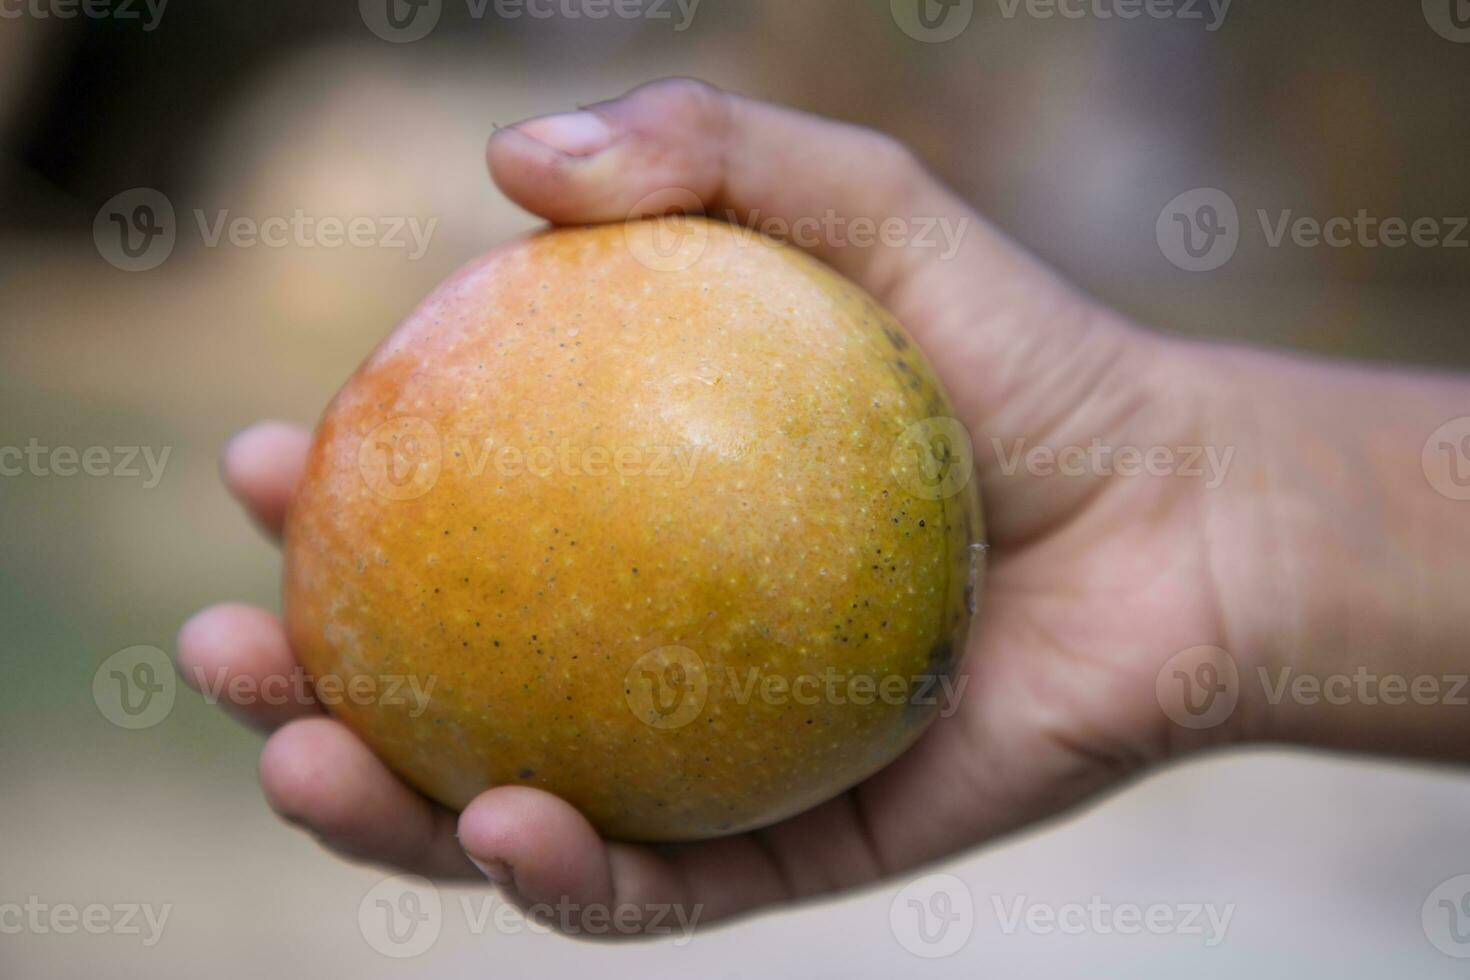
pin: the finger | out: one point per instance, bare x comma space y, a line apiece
552, 861
535, 844
261, 466
757, 161
318, 775
238, 656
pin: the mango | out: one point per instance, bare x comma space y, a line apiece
666, 518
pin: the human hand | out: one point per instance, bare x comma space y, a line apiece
1096, 579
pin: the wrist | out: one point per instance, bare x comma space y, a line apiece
1338, 554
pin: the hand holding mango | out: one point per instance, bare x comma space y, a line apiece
581, 492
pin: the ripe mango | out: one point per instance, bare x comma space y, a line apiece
666, 518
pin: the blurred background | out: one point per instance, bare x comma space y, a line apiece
1073, 133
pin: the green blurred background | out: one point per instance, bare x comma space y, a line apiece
1071, 133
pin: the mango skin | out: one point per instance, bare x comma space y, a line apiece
565, 614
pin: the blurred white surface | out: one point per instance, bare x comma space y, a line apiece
1322, 867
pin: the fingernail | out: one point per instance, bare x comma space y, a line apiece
496, 871
576, 134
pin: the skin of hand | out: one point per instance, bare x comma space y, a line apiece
1323, 549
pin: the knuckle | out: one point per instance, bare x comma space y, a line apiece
696, 103
685, 88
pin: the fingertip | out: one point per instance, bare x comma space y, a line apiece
538, 177
319, 776
536, 844
213, 639
197, 643
303, 767
261, 466
259, 449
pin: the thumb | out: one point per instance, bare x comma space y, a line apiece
856, 198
